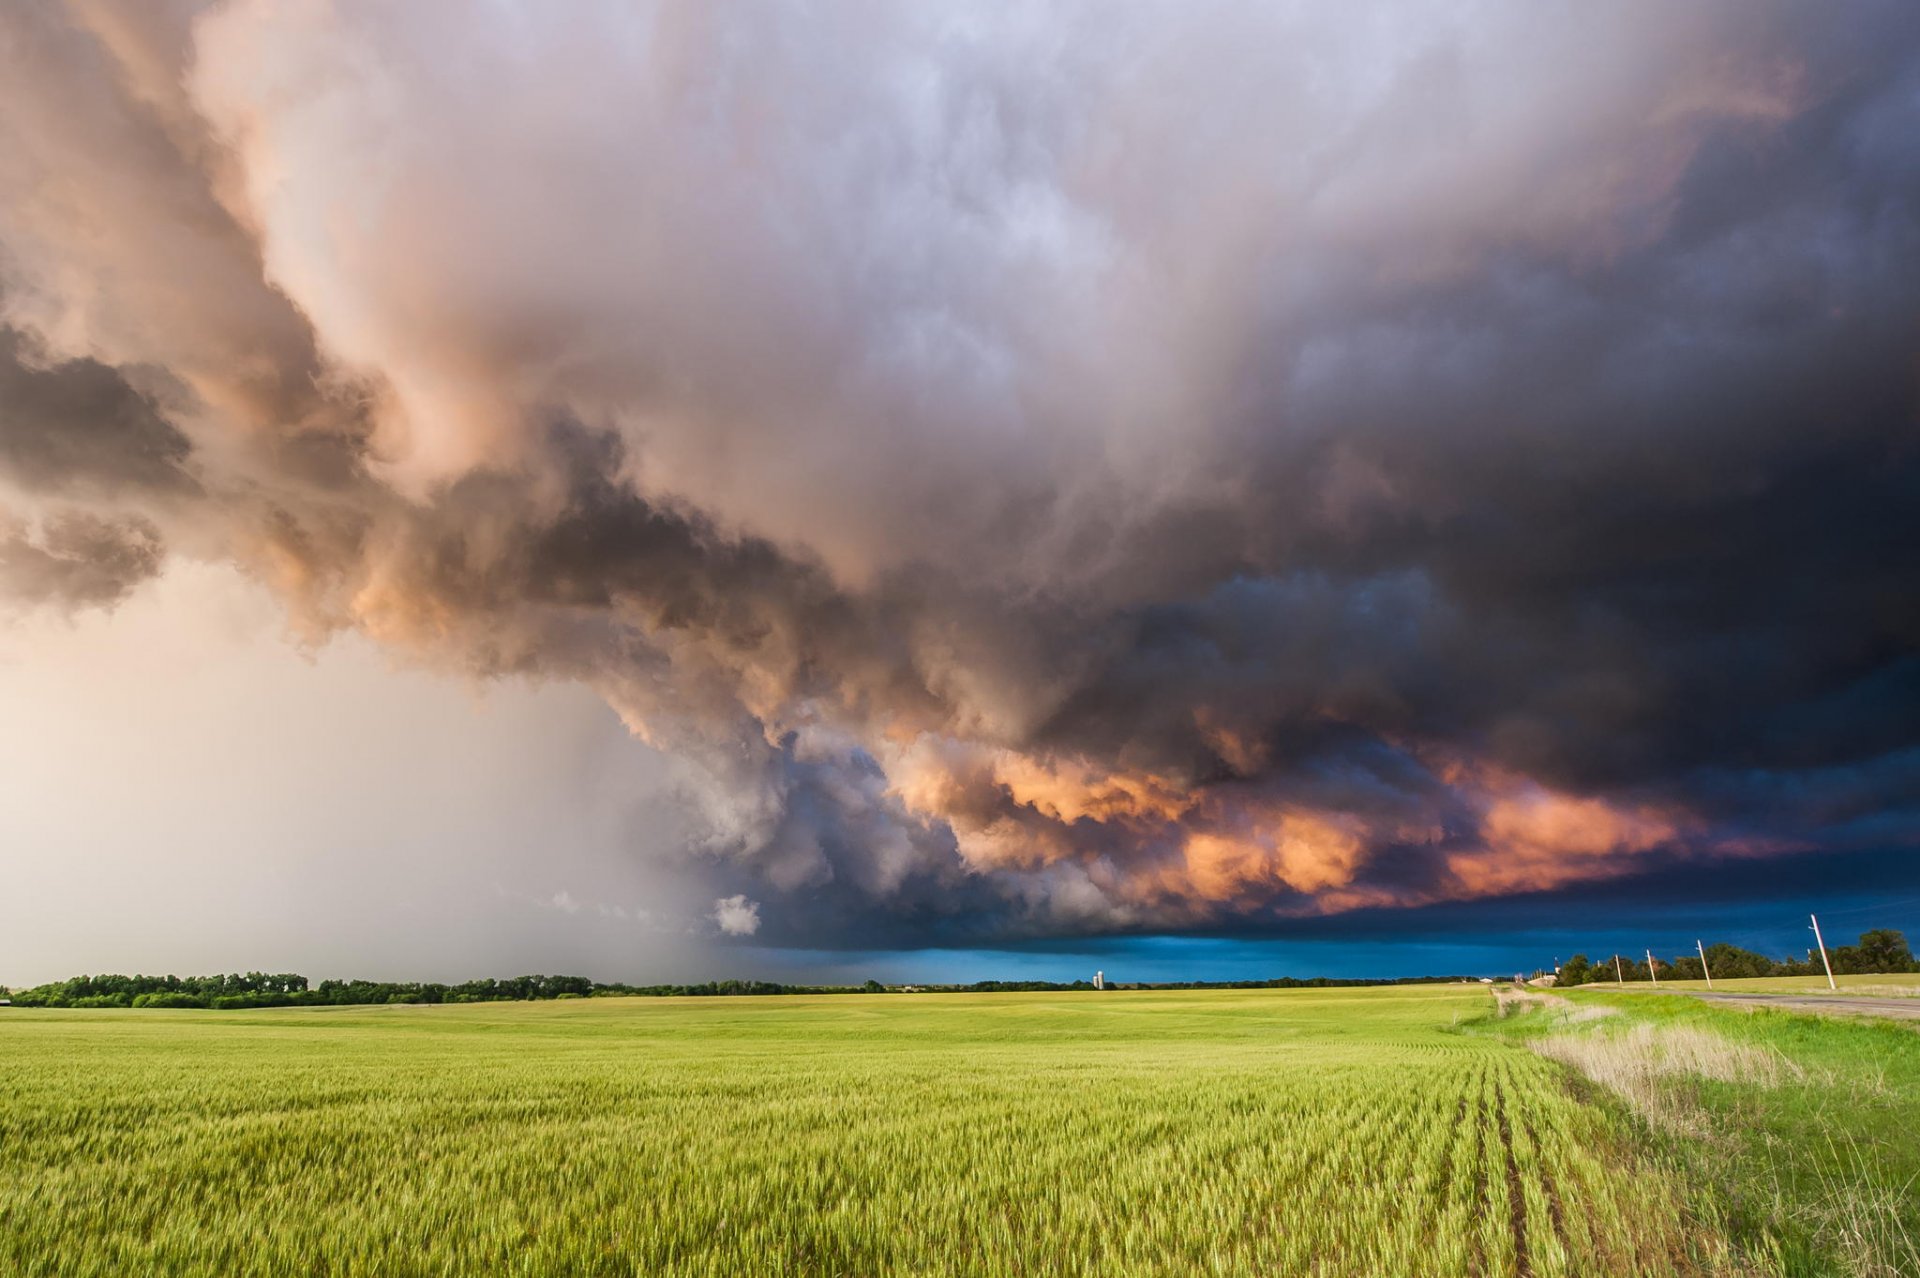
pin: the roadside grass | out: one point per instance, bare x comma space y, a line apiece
1807, 1128
1883, 985
1352, 1132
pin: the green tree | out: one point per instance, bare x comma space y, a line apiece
1731, 963
1682, 967
164, 999
1883, 950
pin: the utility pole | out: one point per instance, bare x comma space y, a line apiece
1823, 952
1618, 979
1652, 974
1703, 962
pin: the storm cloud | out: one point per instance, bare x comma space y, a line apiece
1064, 470
75, 559
79, 423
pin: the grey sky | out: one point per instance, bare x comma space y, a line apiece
181, 789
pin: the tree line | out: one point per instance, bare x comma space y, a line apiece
235, 991
283, 989
1882, 950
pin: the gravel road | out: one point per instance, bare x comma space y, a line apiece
1900, 1008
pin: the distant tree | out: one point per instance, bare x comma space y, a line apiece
101, 1000
165, 999
1576, 971
1884, 950
874, 987
1682, 967
1846, 960
1731, 963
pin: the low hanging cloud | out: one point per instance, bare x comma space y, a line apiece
1041, 472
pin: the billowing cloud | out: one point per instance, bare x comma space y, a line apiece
736, 915
78, 423
75, 559
1066, 470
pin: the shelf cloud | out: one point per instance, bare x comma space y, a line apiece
1045, 471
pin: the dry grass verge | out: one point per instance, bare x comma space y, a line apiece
1642, 1062
1563, 1011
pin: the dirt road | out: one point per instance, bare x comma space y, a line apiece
1899, 1008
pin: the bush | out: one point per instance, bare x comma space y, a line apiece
240, 1002
169, 1000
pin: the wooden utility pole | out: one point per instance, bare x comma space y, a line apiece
1652, 975
1823, 951
1618, 978
1703, 962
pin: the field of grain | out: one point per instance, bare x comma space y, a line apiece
1259, 1132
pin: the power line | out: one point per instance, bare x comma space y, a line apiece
1880, 905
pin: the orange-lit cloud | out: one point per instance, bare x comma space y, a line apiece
1531, 839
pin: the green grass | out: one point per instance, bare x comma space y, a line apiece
1903, 984
1258, 1132
1819, 1163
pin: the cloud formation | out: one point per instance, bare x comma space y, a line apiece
736, 915
1067, 470
75, 559
78, 423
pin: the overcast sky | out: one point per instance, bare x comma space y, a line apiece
669, 489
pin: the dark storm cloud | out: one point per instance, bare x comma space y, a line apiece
78, 423
1048, 474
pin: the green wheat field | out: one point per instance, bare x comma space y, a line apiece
1399, 1131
